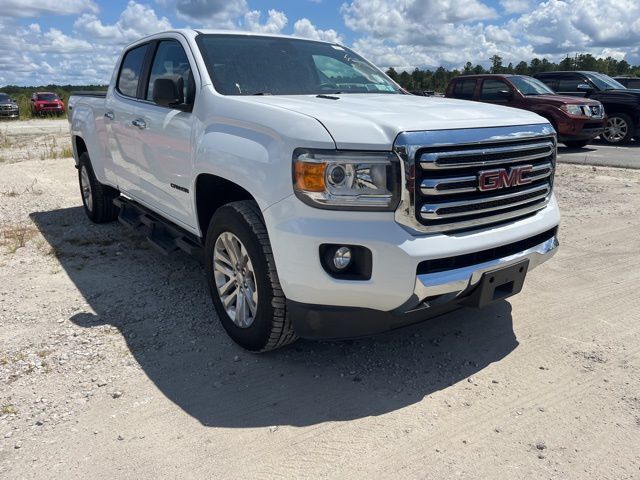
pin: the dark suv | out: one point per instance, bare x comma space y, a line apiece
621, 105
577, 121
629, 82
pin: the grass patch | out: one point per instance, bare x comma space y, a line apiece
16, 236
8, 409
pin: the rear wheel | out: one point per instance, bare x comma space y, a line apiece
619, 129
577, 143
243, 280
97, 198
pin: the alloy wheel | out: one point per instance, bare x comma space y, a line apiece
235, 279
85, 186
616, 130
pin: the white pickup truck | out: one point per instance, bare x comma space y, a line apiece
325, 201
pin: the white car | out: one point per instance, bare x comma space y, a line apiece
325, 201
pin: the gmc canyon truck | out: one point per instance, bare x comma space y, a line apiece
324, 201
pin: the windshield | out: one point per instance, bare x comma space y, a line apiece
530, 86
4, 97
47, 96
245, 65
605, 82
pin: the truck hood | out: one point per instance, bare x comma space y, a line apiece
372, 121
558, 100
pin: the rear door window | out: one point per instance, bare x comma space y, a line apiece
130, 71
463, 89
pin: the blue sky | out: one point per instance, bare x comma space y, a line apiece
77, 41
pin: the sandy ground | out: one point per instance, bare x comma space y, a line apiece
113, 365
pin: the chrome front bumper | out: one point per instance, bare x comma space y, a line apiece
441, 287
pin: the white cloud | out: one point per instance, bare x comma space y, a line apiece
135, 21
34, 8
515, 6
304, 28
276, 21
212, 13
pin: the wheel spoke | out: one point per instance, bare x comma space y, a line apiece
228, 301
224, 289
224, 269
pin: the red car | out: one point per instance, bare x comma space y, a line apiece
576, 120
43, 103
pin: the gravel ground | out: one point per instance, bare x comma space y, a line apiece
113, 365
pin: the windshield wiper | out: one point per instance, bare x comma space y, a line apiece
263, 93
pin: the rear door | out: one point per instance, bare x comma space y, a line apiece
165, 166
121, 112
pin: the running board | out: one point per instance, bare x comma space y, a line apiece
163, 235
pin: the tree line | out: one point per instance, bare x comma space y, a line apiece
437, 79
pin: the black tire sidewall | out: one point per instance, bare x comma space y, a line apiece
256, 336
85, 162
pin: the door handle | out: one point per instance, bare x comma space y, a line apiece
140, 123
109, 115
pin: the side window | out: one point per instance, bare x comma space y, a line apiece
463, 89
570, 84
633, 83
491, 90
131, 70
171, 62
552, 83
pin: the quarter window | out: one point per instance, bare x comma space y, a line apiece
131, 70
171, 62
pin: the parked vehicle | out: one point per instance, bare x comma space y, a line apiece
621, 105
628, 82
325, 202
46, 103
8, 107
577, 122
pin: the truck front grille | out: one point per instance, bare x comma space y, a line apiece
470, 185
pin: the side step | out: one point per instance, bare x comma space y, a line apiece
163, 235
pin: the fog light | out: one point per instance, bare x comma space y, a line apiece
342, 258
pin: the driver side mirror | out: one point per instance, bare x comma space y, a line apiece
168, 92
584, 87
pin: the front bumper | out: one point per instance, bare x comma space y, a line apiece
297, 230
572, 129
9, 113
434, 294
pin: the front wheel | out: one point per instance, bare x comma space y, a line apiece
243, 281
619, 129
576, 143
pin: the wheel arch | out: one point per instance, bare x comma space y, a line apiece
211, 193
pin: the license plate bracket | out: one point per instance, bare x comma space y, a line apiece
498, 284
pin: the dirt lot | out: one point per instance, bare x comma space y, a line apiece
112, 364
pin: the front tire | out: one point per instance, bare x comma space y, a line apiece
619, 129
243, 281
576, 143
97, 198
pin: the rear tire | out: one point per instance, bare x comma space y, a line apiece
619, 129
243, 281
576, 143
97, 198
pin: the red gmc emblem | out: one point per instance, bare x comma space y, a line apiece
503, 177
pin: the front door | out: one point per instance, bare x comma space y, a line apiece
165, 167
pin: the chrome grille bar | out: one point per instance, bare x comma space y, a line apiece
481, 157
436, 211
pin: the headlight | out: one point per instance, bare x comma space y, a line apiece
346, 180
577, 110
